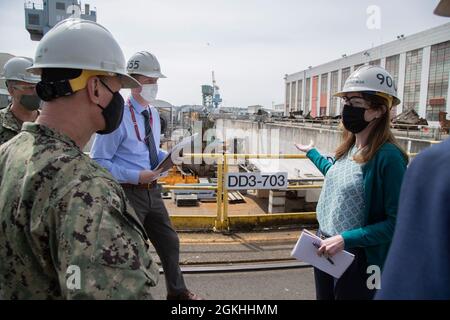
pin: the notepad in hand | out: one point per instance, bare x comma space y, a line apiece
306, 250
174, 154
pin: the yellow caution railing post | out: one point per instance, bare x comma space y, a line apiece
225, 224
219, 194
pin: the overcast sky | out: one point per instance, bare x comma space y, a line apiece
251, 44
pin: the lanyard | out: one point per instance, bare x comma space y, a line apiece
133, 117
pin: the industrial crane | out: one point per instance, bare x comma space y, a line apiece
216, 95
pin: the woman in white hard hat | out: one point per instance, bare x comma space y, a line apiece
357, 207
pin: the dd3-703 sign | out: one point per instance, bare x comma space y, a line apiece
256, 180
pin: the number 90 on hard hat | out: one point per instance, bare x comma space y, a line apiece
373, 80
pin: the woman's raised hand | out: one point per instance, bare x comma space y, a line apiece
305, 148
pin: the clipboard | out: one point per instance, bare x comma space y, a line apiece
306, 250
167, 163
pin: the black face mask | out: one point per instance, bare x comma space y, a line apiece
30, 102
113, 112
353, 119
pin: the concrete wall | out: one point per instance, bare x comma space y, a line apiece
326, 140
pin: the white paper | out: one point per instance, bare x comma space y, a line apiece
306, 251
166, 164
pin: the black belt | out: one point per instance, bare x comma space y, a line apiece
146, 186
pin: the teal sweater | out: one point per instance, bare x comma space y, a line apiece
383, 176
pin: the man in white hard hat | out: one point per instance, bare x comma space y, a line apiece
21, 86
131, 154
67, 231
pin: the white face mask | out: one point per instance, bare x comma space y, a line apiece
149, 92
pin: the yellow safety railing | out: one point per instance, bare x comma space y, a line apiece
223, 162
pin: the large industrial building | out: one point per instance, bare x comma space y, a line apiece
419, 64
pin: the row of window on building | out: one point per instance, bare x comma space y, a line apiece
438, 78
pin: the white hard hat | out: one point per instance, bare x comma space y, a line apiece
146, 64
371, 79
16, 69
82, 44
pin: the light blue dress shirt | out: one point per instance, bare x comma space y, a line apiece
121, 152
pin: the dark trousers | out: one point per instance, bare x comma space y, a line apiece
352, 285
153, 214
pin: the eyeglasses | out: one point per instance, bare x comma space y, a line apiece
356, 102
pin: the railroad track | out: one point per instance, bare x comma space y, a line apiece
243, 266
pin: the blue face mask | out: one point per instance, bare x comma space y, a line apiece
113, 112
